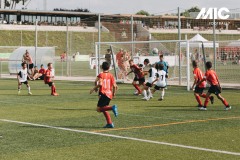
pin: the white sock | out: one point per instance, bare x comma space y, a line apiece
29, 89
162, 94
149, 92
145, 93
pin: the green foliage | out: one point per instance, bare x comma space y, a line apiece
186, 13
142, 12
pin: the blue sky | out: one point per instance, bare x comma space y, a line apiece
132, 6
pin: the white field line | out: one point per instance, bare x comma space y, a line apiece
123, 137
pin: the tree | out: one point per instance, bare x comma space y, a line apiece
12, 3
186, 13
142, 12
71, 10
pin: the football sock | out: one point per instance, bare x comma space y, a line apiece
225, 103
163, 92
137, 87
107, 108
206, 102
198, 100
149, 92
52, 89
144, 93
29, 89
107, 116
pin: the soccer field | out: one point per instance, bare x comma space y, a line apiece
67, 127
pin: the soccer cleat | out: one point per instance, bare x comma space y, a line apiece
29, 93
212, 99
145, 98
115, 110
55, 94
150, 97
202, 108
227, 108
19, 92
109, 126
160, 99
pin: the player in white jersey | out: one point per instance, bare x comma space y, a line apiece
161, 80
151, 77
22, 78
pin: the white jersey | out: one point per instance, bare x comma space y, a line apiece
152, 74
161, 75
23, 75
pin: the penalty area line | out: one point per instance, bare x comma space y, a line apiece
123, 137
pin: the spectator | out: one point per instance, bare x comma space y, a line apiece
42, 71
108, 57
28, 60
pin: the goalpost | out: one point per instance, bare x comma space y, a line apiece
179, 64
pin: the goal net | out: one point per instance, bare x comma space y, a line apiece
176, 53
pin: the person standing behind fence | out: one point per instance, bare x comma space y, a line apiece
108, 57
28, 60
119, 61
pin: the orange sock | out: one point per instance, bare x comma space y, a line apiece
108, 117
198, 100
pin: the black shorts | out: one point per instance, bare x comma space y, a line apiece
103, 100
198, 90
140, 80
42, 77
215, 89
30, 66
149, 84
50, 84
26, 82
158, 88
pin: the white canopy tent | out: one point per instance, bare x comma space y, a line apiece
196, 42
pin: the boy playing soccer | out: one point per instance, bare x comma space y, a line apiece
48, 79
152, 76
139, 76
198, 91
161, 80
107, 90
215, 87
22, 78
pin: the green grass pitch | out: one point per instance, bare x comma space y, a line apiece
175, 120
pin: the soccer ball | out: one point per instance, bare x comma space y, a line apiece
155, 51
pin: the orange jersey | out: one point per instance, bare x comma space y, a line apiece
211, 77
199, 76
107, 81
46, 78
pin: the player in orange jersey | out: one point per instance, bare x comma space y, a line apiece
107, 90
48, 79
215, 87
198, 90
